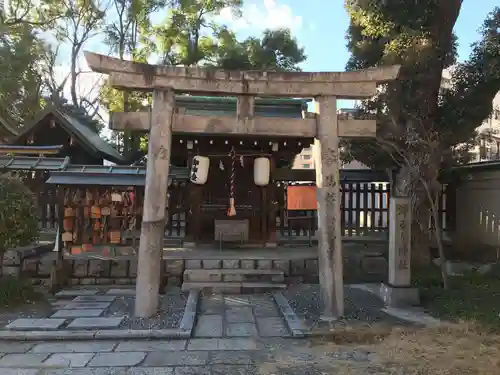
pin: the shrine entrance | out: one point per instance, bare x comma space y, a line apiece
165, 120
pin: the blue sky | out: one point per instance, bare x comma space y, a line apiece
319, 26
323, 27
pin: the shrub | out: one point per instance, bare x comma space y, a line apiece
18, 214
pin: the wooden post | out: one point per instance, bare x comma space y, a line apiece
155, 202
326, 153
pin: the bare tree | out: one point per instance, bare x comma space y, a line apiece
80, 21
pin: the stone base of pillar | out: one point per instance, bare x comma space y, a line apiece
271, 244
399, 296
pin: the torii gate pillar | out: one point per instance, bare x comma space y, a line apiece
327, 164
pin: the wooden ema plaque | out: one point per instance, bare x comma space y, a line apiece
302, 198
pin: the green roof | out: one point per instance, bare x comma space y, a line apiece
232, 100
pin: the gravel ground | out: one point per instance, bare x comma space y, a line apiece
170, 313
360, 306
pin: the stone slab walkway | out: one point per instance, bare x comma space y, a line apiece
104, 314
254, 315
204, 356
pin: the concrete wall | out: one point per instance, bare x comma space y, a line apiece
478, 209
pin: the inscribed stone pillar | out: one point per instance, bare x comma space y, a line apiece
155, 202
398, 291
399, 242
327, 163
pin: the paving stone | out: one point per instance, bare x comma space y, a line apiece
212, 264
222, 344
232, 358
94, 299
230, 263
117, 359
22, 360
193, 370
209, 326
240, 315
237, 344
150, 371
203, 344
272, 327
74, 347
193, 264
235, 301
190, 358
36, 324
151, 346
86, 305
20, 371
121, 292
234, 370
76, 292
266, 311
14, 347
112, 322
212, 304
69, 359
241, 330
77, 313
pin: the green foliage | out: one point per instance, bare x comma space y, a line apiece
18, 214
277, 50
15, 292
418, 35
188, 36
472, 297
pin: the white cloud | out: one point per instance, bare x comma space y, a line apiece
269, 15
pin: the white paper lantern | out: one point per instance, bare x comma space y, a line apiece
261, 171
199, 170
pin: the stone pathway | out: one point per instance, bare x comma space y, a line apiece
203, 356
103, 309
254, 315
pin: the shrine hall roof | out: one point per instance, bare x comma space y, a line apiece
224, 105
108, 175
78, 124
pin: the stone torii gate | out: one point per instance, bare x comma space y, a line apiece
163, 120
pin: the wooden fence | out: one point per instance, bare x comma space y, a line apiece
364, 206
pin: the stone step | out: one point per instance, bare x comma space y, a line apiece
231, 287
234, 275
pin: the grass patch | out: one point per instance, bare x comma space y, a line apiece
472, 297
15, 292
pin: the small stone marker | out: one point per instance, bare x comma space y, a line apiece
35, 324
96, 322
80, 313
398, 291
